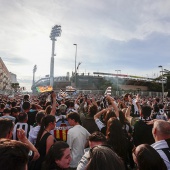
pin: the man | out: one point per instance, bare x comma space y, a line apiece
22, 124
95, 139
7, 114
6, 128
161, 134
13, 155
76, 138
142, 131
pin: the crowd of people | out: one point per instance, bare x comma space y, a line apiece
84, 132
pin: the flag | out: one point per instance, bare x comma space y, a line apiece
108, 91
42, 89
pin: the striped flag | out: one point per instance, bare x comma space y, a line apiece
108, 91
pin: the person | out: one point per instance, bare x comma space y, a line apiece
108, 114
15, 113
58, 157
44, 140
104, 158
22, 124
117, 139
6, 128
7, 114
88, 121
146, 158
13, 155
34, 131
161, 134
142, 131
76, 138
96, 138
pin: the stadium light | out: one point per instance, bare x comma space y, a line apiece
75, 64
55, 32
162, 83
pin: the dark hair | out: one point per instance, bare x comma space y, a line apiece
92, 110
26, 105
26, 97
2, 106
116, 138
148, 158
108, 115
161, 106
13, 104
13, 154
22, 117
45, 122
146, 111
97, 136
6, 126
48, 109
156, 108
73, 115
56, 152
7, 110
14, 110
71, 103
102, 157
39, 116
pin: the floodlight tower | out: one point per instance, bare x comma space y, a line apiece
162, 83
75, 65
55, 32
34, 70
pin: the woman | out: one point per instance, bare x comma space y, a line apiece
104, 158
116, 138
147, 158
58, 157
44, 140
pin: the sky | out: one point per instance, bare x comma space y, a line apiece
128, 35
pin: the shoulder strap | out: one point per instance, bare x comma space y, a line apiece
167, 152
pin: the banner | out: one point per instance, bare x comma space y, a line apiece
42, 89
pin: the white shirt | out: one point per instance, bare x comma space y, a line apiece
160, 145
76, 139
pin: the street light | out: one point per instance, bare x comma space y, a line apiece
162, 84
75, 64
117, 81
55, 32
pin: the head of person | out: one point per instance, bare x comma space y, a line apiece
2, 106
147, 158
92, 110
26, 106
48, 109
58, 156
161, 130
103, 157
71, 104
26, 97
145, 111
108, 115
48, 122
14, 112
6, 128
22, 117
7, 111
13, 155
39, 116
73, 118
97, 138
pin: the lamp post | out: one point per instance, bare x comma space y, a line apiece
162, 83
55, 32
117, 81
75, 64
34, 70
